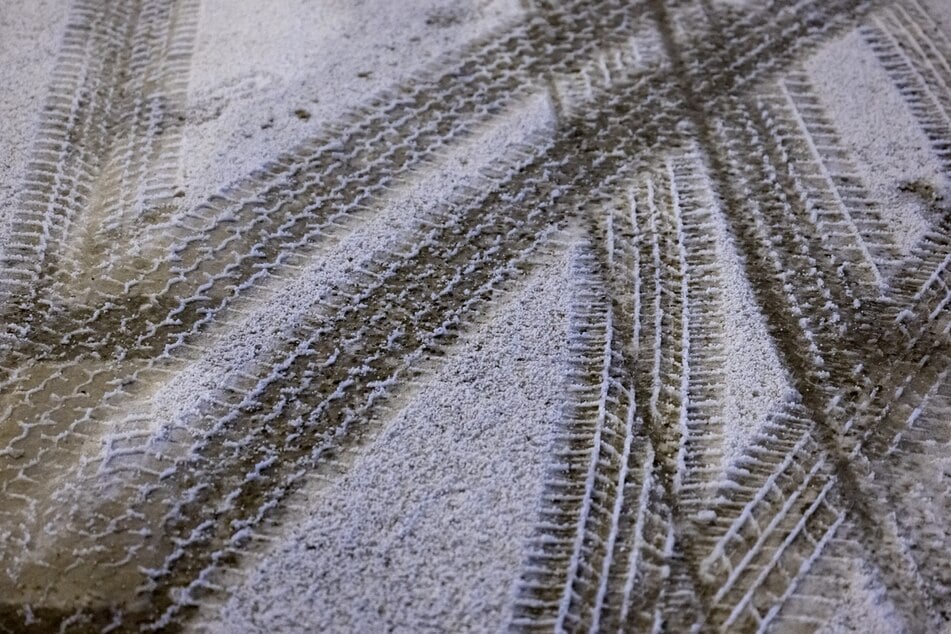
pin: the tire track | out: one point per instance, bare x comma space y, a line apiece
543, 187
592, 427
184, 561
772, 518
108, 138
703, 372
77, 395
272, 427
397, 294
608, 456
840, 591
912, 472
602, 503
810, 356
376, 284
828, 385
825, 178
150, 327
336, 173
918, 66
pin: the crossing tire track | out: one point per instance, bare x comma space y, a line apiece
218, 247
669, 116
193, 547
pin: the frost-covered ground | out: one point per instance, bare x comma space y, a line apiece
601, 315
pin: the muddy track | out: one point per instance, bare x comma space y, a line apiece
825, 180
831, 377
330, 379
665, 330
638, 531
220, 247
107, 150
798, 511
552, 165
216, 263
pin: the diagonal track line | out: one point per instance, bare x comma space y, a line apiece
319, 394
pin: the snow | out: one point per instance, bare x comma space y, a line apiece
424, 531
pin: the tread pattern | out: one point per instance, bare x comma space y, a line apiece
674, 120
